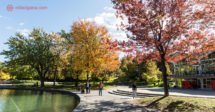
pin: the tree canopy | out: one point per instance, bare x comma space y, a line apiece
161, 27
91, 50
33, 50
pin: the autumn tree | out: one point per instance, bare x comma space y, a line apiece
91, 51
33, 51
109, 60
162, 27
70, 70
4, 74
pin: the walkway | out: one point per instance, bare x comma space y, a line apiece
175, 92
107, 103
116, 103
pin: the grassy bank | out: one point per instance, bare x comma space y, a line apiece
178, 104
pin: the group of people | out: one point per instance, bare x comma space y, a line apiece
101, 85
88, 87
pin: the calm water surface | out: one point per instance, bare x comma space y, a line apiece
35, 101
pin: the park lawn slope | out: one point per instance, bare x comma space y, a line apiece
178, 104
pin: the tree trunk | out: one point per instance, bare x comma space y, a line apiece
42, 81
54, 81
41, 74
87, 76
77, 81
164, 75
55, 76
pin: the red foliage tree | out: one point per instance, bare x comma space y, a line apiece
162, 27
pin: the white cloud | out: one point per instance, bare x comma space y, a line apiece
24, 32
21, 23
108, 9
109, 20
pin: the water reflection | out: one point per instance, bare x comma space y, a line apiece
35, 101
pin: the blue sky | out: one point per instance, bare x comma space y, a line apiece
60, 14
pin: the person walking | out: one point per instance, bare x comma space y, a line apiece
87, 86
100, 88
134, 89
82, 88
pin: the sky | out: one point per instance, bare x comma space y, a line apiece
53, 16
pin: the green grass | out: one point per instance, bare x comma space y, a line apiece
23, 81
63, 85
178, 104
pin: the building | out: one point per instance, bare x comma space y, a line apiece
197, 73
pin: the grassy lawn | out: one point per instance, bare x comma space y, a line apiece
72, 87
59, 85
178, 104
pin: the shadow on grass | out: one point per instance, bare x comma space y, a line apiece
156, 101
181, 106
176, 105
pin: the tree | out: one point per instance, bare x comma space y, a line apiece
91, 50
162, 27
132, 69
25, 72
109, 60
124, 76
59, 52
33, 51
4, 74
152, 74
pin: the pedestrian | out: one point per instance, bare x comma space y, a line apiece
87, 85
134, 89
100, 88
82, 89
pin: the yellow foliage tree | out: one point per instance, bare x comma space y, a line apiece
110, 61
4, 76
92, 51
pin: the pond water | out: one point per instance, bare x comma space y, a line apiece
36, 101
